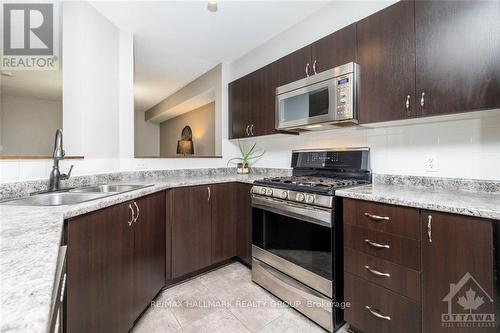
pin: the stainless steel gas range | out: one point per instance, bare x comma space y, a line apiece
297, 231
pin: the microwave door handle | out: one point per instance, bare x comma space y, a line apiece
332, 104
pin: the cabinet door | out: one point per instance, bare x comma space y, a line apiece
262, 100
149, 250
191, 229
224, 215
386, 57
239, 107
244, 223
100, 271
294, 67
458, 55
335, 49
457, 270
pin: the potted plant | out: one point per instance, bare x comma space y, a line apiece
247, 155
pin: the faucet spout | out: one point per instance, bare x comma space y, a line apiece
55, 174
58, 146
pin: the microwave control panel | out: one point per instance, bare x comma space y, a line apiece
344, 97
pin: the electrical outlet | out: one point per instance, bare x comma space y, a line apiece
431, 164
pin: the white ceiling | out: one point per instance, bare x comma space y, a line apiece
177, 41
35, 84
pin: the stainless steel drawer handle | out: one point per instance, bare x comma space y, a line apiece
132, 219
429, 228
248, 127
377, 245
407, 104
376, 272
138, 211
377, 217
376, 313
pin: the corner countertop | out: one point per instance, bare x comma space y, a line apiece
29, 247
477, 204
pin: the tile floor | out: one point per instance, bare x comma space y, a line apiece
223, 300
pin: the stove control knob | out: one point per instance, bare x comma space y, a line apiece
284, 195
300, 197
310, 198
263, 190
269, 191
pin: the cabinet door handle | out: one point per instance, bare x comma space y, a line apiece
377, 217
377, 313
307, 70
138, 211
376, 272
377, 245
422, 100
251, 130
132, 219
248, 127
314, 67
407, 104
209, 193
429, 228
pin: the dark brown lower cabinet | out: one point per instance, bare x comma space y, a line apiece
209, 225
191, 229
100, 271
115, 265
149, 250
457, 272
244, 222
224, 214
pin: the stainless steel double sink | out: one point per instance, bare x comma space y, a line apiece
72, 196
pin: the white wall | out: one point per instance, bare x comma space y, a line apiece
146, 136
28, 125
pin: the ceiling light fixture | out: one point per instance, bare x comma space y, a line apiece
212, 5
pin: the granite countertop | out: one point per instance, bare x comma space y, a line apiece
29, 245
478, 204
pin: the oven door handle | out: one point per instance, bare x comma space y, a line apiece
312, 214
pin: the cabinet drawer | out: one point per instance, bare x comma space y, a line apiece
402, 251
389, 311
397, 278
396, 220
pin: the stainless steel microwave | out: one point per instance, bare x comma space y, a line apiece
319, 101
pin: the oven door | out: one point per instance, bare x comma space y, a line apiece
307, 106
295, 239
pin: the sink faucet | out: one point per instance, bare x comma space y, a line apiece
55, 174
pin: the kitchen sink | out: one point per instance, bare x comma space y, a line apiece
107, 188
55, 199
72, 196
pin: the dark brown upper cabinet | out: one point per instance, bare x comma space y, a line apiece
295, 66
239, 108
458, 56
252, 103
263, 83
386, 58
457, 251
334, 50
